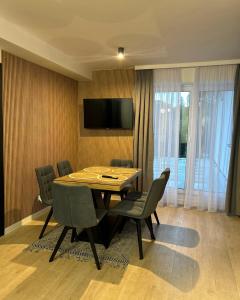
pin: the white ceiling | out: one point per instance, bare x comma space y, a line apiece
152, 32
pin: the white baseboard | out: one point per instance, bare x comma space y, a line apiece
26, 220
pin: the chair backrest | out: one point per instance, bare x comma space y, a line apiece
154, 195
73, 205
64, 168
125, 163
166, 172
45, 176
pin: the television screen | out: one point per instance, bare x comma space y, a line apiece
108, 113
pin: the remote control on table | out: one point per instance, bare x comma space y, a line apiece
109, 176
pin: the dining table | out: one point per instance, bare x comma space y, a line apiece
105, 180
108, 180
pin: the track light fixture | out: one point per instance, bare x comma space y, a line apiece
120, 53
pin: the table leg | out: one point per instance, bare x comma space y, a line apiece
107, 198
94, 199
104, 232
97, 199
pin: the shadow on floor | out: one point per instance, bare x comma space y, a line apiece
180, 236
174, 267
179, 270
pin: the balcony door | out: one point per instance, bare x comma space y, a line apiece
177, 116
192, 135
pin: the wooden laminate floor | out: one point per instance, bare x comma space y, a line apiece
196, 256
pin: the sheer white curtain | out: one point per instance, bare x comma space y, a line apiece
166, 113
210, 129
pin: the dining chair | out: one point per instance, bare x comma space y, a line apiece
141, 210
74, 209
64, 168
135, 195
123, 163
45, 176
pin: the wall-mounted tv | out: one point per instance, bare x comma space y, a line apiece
115, 113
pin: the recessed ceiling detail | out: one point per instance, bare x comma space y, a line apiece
155, 32
77, 47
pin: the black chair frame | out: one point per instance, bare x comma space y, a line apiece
121, 221
74, 238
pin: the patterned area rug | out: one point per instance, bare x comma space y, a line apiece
117, 254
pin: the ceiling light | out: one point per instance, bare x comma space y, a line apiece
120, 53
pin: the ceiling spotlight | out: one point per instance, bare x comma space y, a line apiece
120, 53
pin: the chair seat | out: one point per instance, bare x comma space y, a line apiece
127, 208
139, 196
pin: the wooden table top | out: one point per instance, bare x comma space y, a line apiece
92, 177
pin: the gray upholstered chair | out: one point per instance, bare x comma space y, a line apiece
123, 163
73, 207
64, 168
133, 196
45, 176
141, 210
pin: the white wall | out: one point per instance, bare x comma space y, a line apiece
188, 75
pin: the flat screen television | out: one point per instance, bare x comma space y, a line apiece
115, 113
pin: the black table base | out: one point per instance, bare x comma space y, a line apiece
105, 231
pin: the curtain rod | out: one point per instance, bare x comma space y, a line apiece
189, 65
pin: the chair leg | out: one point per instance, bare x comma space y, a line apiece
156, 217
59, 242
74, 235
46, 223
139, 234
122, 196
150, 227
91, 240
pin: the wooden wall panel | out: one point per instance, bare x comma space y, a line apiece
40, 127
98, 147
